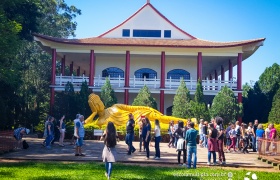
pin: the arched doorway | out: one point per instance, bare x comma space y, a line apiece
178, 74
113, 72
145, 72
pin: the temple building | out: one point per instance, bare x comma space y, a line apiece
147, 49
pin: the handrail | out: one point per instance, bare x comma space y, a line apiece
154, 83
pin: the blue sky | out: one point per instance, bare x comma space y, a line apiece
214, 20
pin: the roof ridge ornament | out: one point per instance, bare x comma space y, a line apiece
148, 1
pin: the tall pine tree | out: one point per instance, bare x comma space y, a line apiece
198, 107
181, 103
108, 96
144, 98
225, 105
274, 114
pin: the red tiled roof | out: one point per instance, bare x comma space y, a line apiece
148, 4
141, 42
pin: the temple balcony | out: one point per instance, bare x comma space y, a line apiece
210, 87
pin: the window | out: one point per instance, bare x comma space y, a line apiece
178, 73
126, 33
146, 33
113, 72
145, 72
167, 33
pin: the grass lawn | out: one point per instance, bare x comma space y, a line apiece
76, 170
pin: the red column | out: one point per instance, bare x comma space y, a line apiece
78, 71
229, 70
162, 82
63, 66
91, 68
199, 66
71, 68
222, 73
53, 80
239, 71
239, 80
126, 80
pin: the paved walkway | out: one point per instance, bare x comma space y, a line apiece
93, 150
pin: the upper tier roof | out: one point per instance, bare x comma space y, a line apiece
193, 43
148, 18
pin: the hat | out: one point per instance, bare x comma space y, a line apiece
27, 131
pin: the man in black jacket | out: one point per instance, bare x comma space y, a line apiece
130, 134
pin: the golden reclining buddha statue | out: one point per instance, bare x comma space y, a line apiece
118, 113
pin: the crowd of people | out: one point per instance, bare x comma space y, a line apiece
237, 138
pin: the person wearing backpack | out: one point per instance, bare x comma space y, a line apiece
238, 135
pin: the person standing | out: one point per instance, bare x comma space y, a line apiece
171, 134
191, 145
109, 151
62, 128
205, 133
228, 141
130, 134
80, 134
181, 144
238, 135
146, 134
273, 138
245, 137
140, 123
212, 143
267, 133
50, 132
45, 131
220, 129
200, 128
157, 139
74, 137
18, 134
254, 138
232, 135
259, 136
252, 135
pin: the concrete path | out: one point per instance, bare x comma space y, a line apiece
93, 150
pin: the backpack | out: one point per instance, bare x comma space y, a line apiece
25, 145
238, 132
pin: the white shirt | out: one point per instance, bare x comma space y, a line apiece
157, 131
267, 132
200, 128
237, 127
75, 121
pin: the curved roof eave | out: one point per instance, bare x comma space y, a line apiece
195, 43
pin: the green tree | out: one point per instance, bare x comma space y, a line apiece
198, 107
181, 103
144, 98
108, 96
82, 98
256, 104
270, 79
24, 67
274, 114
225, 105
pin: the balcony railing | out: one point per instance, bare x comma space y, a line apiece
152, 83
